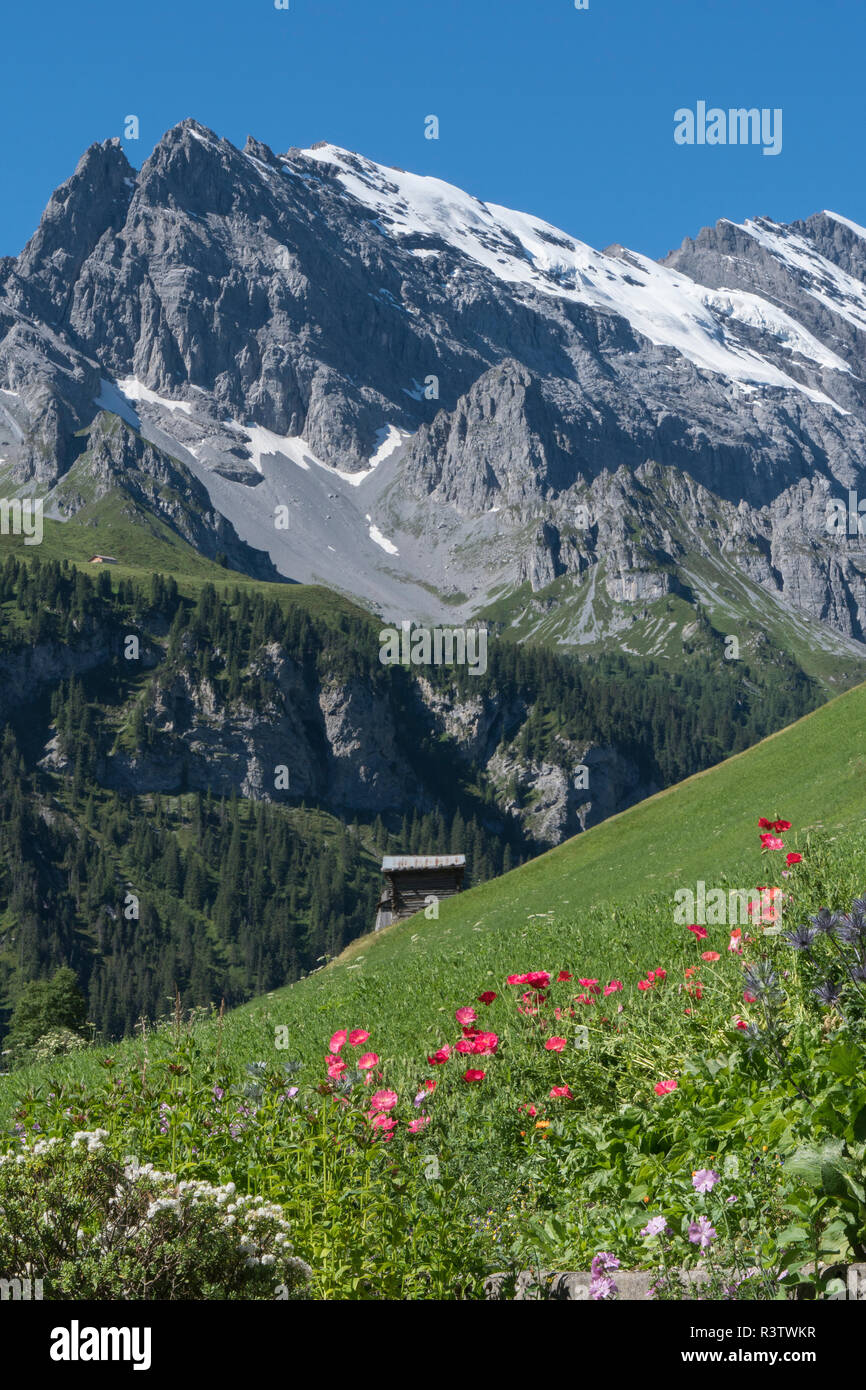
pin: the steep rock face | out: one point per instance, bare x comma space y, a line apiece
334, 743
554, 801
88, 207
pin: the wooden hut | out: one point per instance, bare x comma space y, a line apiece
411, 880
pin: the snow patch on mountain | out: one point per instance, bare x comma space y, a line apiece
846, 222
662, 305
820, 278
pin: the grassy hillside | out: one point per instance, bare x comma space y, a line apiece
812, 773
144, 545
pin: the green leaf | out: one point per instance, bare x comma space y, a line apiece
818, 1166
792, 1235
846, 1060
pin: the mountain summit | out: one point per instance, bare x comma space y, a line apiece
373, 380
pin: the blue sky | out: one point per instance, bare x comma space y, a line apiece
564, 113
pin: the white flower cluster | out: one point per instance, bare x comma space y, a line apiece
92, 1138
245, 1212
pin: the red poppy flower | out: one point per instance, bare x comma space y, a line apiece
563, 975
474, 1075
710, 955
794, 858
700, 932
560, 1093
487, 997
439, 1057
662, 1088
781, 825
555, 1044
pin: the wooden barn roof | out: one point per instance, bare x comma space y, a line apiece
392, 863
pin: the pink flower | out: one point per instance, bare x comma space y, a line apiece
591, 985
701, 1232
384, 1122
517, 980
383, 1100
439, 1057
772, 842
584, 999
335, 1067
613, 987
662, 1088
660, 974
749, 998
555, 1044
704, 1180
700, 932
416, 1126
560, 1093
357, 1036
368, 1060
485, 1044
644, 984
539, 979
337, 1041
741, 1024
474, 1075
465, 1016
710, 955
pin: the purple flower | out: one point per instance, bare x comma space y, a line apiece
602, 1286
701, 1232
704, 1180
656, 1226
218, 1092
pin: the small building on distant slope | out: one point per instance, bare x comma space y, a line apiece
412, 879
102, 560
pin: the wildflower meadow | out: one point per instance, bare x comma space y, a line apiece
607, 1091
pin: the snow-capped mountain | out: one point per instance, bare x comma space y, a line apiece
373, 380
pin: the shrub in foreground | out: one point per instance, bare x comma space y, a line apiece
92, 1228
